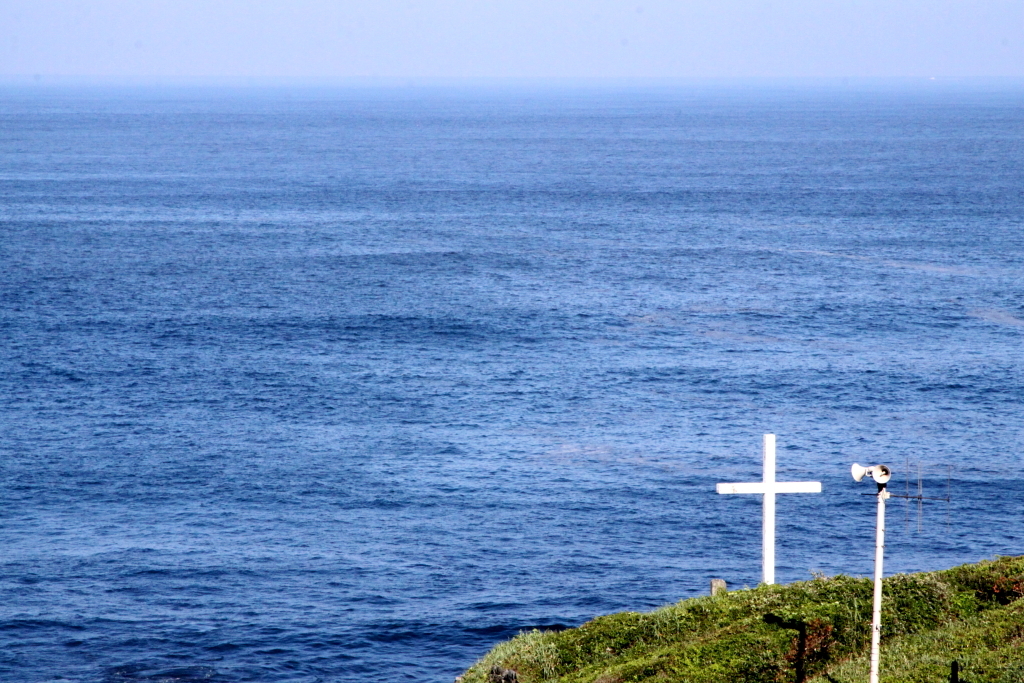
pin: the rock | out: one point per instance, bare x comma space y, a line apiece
499, 675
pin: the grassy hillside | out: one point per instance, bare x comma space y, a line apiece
816, 630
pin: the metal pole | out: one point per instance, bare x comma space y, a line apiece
876, 612
768, 511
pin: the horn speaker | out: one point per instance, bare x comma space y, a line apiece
880, 473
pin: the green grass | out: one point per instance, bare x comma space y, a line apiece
988, 646
969, 613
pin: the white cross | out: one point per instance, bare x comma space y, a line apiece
769, 487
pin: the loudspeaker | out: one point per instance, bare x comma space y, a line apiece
880, 473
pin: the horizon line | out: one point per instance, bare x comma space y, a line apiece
490, 82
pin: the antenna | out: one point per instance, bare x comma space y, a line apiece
906, 507
949, 477
920, 497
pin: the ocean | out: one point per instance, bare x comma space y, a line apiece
350, 385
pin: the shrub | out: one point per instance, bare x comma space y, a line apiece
769, 634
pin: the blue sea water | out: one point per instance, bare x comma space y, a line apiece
350, 385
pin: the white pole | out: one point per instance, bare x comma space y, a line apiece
768, 512
876, 612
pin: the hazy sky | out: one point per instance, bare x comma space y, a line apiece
319, 40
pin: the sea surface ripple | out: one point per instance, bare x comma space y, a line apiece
350, 385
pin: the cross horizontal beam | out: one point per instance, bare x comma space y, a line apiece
772, 487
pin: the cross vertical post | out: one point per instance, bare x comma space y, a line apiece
768, 510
